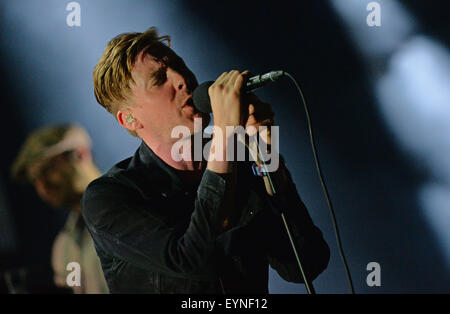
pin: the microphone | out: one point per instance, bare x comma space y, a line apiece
201, 96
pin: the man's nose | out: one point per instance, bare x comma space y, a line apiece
179, 82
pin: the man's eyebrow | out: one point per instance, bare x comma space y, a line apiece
153, 74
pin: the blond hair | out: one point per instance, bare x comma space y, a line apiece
112, 74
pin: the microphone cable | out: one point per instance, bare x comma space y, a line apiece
322, 182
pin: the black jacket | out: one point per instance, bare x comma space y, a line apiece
154, 233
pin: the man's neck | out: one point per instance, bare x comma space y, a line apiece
164, 152
87, 172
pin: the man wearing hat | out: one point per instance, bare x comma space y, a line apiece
57, 161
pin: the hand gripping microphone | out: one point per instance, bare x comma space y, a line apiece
201, 96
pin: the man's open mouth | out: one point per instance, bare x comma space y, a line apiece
190, 103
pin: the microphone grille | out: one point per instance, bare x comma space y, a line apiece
201, 99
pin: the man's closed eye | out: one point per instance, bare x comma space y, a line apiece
159, 77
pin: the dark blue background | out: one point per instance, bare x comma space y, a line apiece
47, 78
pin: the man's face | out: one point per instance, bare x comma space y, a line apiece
162, 95
56, 183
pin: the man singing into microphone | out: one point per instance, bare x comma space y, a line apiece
164, 225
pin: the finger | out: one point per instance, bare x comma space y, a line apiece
216, 83
225, 79
239, 82
246, 73
251, 109
221, 78
234, 74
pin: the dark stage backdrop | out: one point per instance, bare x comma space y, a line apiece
378, 138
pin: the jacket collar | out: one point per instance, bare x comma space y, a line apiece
145, 158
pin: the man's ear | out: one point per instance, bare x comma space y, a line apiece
126, 119
42, 189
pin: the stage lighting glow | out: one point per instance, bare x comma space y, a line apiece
415, 101
414, 98
396, 24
